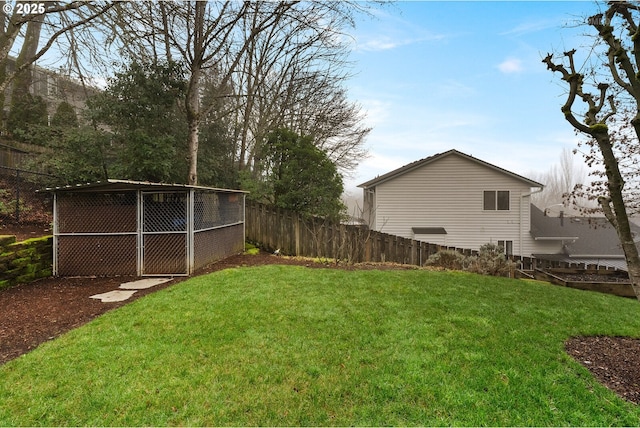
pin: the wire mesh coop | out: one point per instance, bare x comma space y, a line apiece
119, 227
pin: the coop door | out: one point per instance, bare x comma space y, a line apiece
164, 233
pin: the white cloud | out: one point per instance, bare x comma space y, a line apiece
375, 45
392, 32
511, 65
384, 43
377, 111
530, 27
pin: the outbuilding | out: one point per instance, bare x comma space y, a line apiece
121, 227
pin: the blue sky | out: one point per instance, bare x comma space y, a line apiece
434, 76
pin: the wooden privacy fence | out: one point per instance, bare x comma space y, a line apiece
277, 229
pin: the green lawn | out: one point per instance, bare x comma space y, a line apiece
282, 345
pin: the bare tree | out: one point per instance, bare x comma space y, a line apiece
264, 58
619, 32
559, 182
291, 77
206, 37
627, 152
33, 28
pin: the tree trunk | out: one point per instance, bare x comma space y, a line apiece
193, 152
192, 101
23, 80
615, 210
192, 104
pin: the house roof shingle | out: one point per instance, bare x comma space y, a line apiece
413, 165
585, 236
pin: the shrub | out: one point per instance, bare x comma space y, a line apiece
250, 249
8, 204
491, 260
448, 259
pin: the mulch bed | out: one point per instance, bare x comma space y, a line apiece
31, 314
614, 361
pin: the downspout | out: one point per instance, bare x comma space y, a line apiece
539, 189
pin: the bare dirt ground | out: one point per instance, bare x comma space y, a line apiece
22, 232
31, 314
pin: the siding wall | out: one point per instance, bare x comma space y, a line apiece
448, 192
54, 88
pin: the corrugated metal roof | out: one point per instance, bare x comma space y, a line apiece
113, 185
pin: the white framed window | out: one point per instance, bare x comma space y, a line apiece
496, 200
507, 247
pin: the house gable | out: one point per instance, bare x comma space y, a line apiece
423, 162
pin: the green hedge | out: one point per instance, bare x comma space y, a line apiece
25, 261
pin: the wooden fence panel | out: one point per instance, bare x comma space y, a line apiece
274, 228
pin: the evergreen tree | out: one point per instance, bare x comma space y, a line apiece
301, 177
65, 116
26, 112
141, 108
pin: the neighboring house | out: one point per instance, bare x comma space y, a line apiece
453, 199
456, 200
54, 88
579, 240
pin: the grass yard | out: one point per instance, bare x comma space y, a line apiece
289, 346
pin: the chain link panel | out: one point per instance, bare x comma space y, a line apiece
165, 212
97, 212
165, 253
215, 209
98, 233
97, 255
215, 244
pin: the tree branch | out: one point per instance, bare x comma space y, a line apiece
9, 77
573, 80
605, 204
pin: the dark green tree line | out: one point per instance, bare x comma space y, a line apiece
132, 130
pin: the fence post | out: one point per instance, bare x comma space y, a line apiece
17, 196
296, 233
366, 253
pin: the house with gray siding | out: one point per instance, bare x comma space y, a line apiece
456, 200
578, 240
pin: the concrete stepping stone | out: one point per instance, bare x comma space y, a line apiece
114, 296
127, 289
143, 283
